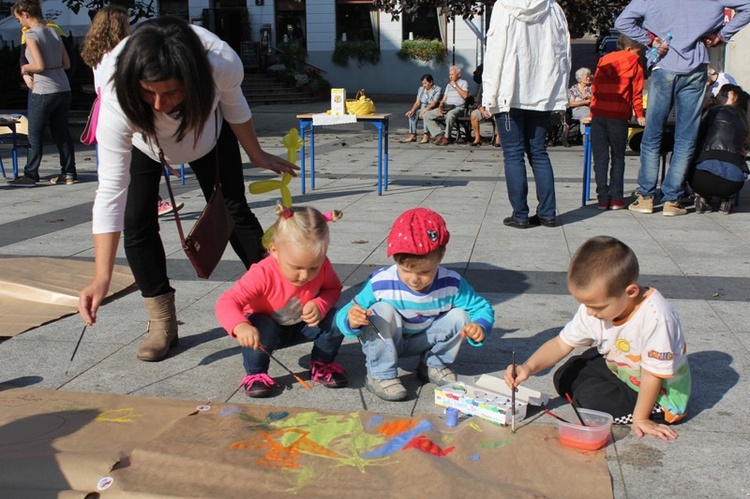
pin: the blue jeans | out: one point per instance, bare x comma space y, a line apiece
525, 132
325, 337
685, 94
414, 118
438, 345
52, 109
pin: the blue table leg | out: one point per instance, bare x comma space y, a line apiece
312, 156
379, 126
385, 166
586, 191
302, 127
15, 150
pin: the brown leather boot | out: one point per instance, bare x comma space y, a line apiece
162, 328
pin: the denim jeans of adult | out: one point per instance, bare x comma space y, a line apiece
525, 132
438, 345
685, 94
414, 118
142, 243
52, 109
609, 138
325, 337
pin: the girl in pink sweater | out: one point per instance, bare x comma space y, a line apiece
286, 299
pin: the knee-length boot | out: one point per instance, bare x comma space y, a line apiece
162, 328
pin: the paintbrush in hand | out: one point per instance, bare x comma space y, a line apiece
70, 364
513, 396
302, 381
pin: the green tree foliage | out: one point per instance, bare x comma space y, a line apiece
584, 16
138, 9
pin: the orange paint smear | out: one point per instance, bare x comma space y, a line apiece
396, 427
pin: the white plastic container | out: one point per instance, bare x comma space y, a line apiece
593, 436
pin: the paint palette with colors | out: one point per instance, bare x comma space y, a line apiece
488, 398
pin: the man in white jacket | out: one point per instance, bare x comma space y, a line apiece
526, 72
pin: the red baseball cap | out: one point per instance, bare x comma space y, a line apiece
417, 231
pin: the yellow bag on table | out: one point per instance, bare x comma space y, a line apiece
360, 105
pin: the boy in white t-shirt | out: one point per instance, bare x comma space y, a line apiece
636, 369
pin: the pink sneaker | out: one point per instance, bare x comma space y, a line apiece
330, 375
260, 385
165, 207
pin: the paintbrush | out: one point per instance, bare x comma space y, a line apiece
513, 396
555, 415
70, 364
302, 381
575, 409
375, 328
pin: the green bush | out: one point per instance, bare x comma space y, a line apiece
365, 52
423, 50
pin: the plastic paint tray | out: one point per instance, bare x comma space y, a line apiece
488, 398
591, 437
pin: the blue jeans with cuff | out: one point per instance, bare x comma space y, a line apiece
52, 109
525, 132
438, 345
685, 94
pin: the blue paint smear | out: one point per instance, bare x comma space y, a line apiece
376, 418
399, 441
276, 416
226, 410
474, 457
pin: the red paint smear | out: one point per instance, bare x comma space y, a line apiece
428, 446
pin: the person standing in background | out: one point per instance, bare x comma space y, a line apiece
678, 79
50, 95
525, 78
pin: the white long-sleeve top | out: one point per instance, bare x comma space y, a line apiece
527, 62
116, 136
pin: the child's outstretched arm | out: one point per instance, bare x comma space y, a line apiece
647, 395
546, 356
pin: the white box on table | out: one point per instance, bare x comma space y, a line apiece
338, 101
488, 398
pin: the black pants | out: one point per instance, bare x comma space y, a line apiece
143, 246
609, 138
707, 184
592, 385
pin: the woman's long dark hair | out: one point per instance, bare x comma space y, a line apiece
162, 49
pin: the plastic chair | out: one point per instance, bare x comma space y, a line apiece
182, 173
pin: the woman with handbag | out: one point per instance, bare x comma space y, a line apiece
158, 101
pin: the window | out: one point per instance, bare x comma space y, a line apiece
425, 25
291, 24
356, 20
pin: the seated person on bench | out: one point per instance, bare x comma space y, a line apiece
451, 106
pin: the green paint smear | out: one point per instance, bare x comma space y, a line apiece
496, 444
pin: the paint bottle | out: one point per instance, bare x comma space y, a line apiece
451, 417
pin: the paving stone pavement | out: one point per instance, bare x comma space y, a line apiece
701, 263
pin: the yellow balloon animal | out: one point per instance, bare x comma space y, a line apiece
293, 143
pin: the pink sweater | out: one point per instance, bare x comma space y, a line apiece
263, 289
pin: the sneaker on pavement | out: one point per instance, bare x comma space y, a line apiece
602, 205
165, 207
410, 138
673, 209
437, 375
425, 139
63, 180
260, 385
642, 205
330, 374
617, 204
22, 182
386, 389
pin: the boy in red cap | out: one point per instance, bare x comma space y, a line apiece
414, 307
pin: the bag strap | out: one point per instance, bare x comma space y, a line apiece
166, 169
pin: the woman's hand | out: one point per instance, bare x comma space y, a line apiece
274, 163
90, 297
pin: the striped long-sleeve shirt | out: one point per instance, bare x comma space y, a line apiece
419, 310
